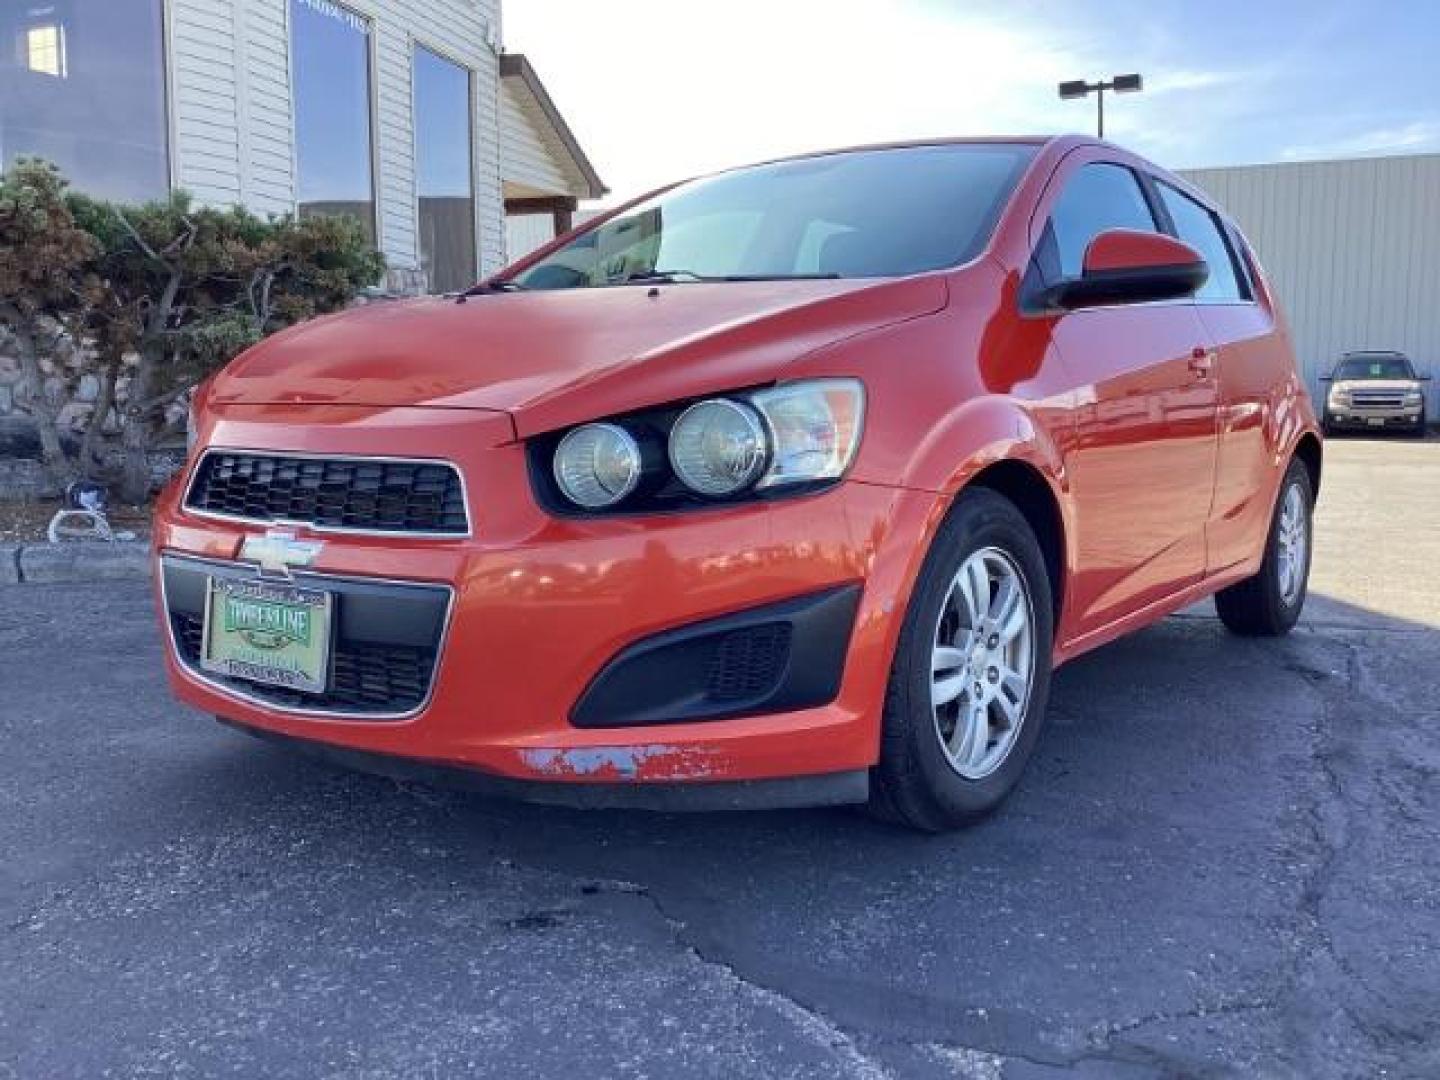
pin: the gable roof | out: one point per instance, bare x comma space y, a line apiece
520, 75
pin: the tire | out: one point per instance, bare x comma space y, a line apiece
917, 781
1265, 605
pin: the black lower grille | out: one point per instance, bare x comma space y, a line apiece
749, 662
364, 677
386, 639
775, 657
340, 493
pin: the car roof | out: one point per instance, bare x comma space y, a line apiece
1051, 148
912, 144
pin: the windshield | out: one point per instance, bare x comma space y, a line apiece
1375, 366
872, 213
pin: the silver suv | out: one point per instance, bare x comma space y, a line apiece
1375, 390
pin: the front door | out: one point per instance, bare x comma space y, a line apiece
1142, 465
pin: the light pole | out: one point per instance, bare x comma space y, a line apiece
1121, 84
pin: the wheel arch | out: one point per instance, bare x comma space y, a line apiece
996, 444
1026, 487
1311, 454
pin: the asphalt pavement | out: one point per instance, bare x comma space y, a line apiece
1222, 862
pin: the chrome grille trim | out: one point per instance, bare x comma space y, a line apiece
344, 530
199, 675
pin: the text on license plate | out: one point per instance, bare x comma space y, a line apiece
269, 632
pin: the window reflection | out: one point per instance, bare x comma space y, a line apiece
443, 178
82, 84
330, 60
45, 50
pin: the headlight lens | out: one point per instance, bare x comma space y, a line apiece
1413, 397
597, 465
796, 433
815, 427
718, 447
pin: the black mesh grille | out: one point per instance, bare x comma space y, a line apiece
365, 677
381, 496
748, 663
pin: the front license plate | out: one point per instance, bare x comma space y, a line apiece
268, 632
1376, 421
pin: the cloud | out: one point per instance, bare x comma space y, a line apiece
1414, 136
1189, 81
657, 90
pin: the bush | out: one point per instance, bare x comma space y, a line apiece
150, 300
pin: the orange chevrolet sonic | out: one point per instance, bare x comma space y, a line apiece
789, 485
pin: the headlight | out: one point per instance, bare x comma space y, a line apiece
1413, 397
661, 458
718, 447
815, 427
597, 465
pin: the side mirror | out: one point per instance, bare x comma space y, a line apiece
1423, 378
1128, 266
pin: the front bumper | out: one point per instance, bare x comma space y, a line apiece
1409, 416
538, 607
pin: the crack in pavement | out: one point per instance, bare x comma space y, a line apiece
1332, 802
813, 1024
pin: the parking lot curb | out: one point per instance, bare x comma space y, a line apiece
79, 561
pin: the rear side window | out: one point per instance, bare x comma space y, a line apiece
1199, 228
1096, 198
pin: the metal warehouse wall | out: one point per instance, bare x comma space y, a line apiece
1352, 249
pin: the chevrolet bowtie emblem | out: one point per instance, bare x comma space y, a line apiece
277, 551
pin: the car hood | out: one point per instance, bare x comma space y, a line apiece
552, 357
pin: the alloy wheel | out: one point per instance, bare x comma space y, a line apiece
982, 663
1293, 544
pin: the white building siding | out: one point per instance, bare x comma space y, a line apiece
464, 32
527, 160
232, 124
269, 162
526, 232
1351, 250
204, 116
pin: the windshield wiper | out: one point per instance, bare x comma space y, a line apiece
778, 277
672, 276
489, 287
668, 276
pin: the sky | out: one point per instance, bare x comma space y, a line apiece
659, 90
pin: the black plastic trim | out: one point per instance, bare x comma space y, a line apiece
667, 678
370, 614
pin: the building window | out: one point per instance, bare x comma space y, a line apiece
330, 65
444, 177
45, 50
82, 84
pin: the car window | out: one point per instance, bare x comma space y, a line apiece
1375, 366
1096, 198
1199, 228
874, 213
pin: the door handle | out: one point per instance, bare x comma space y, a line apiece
1202, 361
